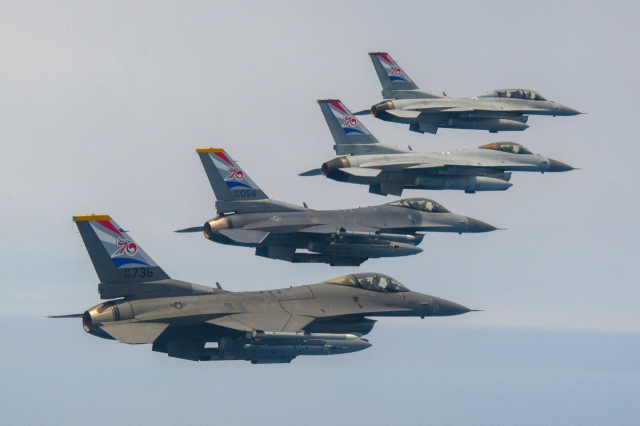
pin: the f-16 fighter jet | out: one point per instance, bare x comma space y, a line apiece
388, 169
247, 217
272, 326
425, 112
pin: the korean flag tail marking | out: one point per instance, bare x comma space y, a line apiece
228, 180
345, 128
115, 256
391, 76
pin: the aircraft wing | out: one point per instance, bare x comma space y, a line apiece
470, 167
265, 321
380, 166
435, 109
436, 166
460, 109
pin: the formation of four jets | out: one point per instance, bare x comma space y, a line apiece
180, 318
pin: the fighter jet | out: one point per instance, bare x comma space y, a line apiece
425, 112
272, 326
388, 169
247, 217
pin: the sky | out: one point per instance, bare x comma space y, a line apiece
102, 106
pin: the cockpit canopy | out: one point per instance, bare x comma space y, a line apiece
514, 94
421, 204
370, 281
510, 147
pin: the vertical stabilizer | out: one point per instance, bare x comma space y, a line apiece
349, 134
345, 128
228, 181
391, 76
115, 256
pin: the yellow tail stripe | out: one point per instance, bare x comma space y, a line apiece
91, 217
203, 150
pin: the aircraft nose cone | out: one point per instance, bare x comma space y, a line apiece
565, 110
476, 225
444, 308
557, 166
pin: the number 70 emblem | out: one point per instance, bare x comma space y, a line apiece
236, 174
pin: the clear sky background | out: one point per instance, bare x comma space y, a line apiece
102, 106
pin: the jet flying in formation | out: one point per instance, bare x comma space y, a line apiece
388, 169
426, 112
145, 306
247, 217
271, 326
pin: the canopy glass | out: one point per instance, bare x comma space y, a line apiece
514, 94
370, 281
422, 204
510, 147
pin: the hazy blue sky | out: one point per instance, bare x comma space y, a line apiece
102, 106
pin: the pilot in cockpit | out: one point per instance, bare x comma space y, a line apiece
376, 280
366, 284
390, 285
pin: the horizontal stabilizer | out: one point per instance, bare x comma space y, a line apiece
194, 229
66, 316
135, 333
244, 236
312, 172
363, 112
403, 113
358, 171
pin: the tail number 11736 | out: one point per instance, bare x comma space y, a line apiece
138, 273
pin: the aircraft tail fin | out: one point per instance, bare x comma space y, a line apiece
115, 256
228, 181
349, 134
345, 128
391, 76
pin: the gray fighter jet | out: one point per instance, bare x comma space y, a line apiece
272, 326
247, 217
389, 169
425, 112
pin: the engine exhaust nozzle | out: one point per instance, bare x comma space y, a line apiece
381, 107
214, 224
